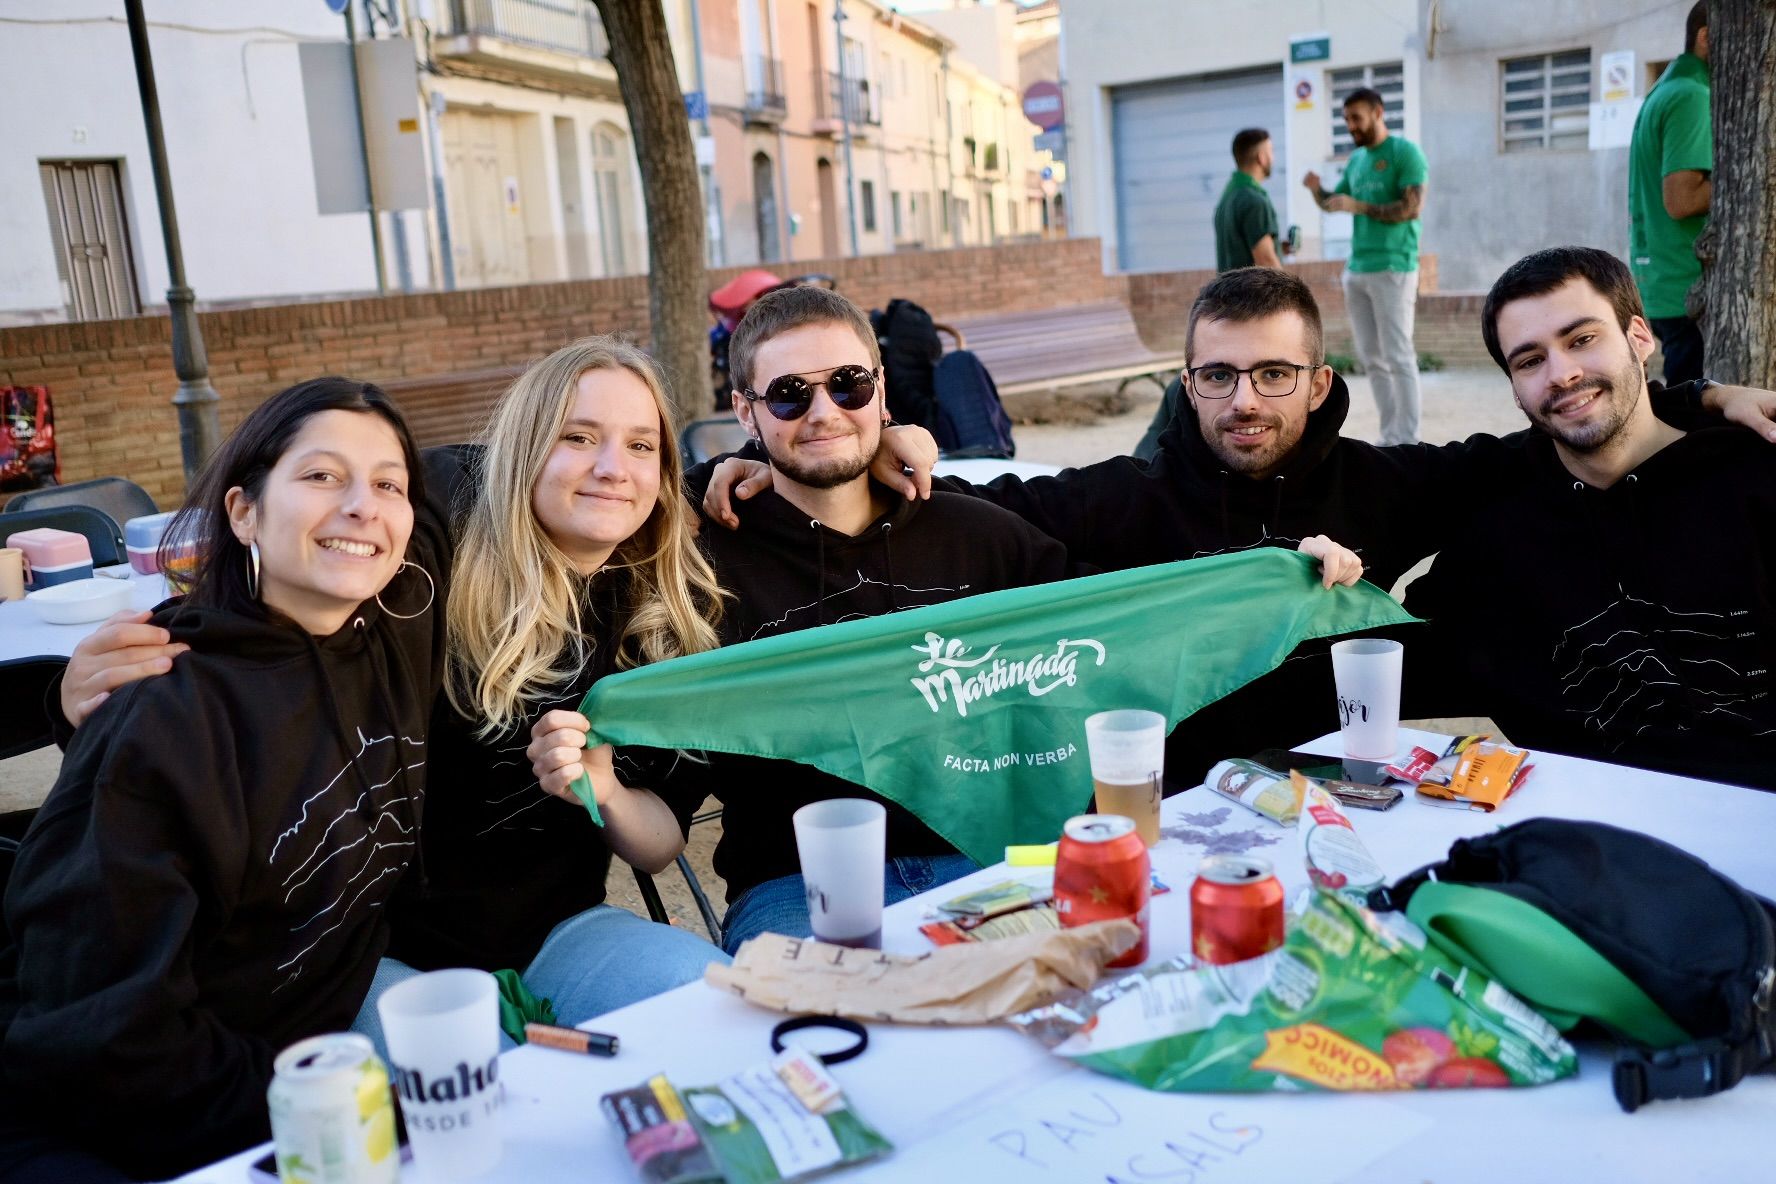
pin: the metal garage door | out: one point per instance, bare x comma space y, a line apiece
1173, 144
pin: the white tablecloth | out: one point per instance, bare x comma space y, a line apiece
24, 635
989, 1104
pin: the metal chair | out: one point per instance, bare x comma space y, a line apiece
702, 439
102, 533
119, 497
650, 892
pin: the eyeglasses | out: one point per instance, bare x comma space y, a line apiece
1273, 380
790, 395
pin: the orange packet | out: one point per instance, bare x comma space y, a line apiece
1485, 775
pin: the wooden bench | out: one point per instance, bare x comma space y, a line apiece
450, 408
1059, 347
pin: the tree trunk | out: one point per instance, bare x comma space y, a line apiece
642, 55
1740, 315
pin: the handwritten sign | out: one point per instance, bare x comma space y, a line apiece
1084, 1129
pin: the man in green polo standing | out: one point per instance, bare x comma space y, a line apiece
1245, 221
1383, 188
1670, 161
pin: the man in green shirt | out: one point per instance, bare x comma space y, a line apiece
1245, 221
1383, 188
1669, 164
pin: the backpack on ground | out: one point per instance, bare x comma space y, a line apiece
910, 350
971, 421
1590, 922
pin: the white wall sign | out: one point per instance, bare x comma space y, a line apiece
1615, 76
1612, 124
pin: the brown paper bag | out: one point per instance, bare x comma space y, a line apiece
974, 983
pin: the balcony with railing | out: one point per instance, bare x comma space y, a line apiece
852, 100
563, 37
765, 102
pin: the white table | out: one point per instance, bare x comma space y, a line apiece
978, 470
988, 1091
24, 635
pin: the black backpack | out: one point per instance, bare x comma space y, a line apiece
971, 421
910, 350
1585, 921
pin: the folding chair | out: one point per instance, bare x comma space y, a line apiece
119, 497
650, 892
102, 533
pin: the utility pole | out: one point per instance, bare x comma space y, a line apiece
200, 429
839, 19
712, 222
351, 44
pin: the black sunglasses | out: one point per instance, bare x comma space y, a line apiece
790, 395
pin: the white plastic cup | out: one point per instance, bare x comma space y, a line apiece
443, 1042
1366, 671
1127, 751
843, 844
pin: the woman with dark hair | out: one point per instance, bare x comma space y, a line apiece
205, 883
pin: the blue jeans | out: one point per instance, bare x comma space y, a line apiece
597, 961
781, 905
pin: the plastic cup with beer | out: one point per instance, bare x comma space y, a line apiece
842, 843
1366, 671
443, 1043
1127, 750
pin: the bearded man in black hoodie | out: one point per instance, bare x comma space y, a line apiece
1258, 461
1626, 609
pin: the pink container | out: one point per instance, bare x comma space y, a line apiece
55, 556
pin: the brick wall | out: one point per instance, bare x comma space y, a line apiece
113, 380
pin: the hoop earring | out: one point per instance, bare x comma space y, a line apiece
431, 594
253, 569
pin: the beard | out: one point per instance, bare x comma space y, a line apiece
1619, 393
824, 474
1249, 461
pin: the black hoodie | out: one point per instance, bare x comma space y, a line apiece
1389, 505
788, 572
204, 884
1634, 624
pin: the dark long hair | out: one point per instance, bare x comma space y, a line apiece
246, 458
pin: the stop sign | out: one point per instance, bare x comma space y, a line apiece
1043, 106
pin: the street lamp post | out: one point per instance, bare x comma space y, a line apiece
200, 429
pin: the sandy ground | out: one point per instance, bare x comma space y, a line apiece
1074, 427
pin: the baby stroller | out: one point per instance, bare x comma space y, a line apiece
729, 303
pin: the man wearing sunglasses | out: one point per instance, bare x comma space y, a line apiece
1258, 461
827, 544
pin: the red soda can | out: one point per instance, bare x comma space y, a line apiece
1101, 874
1236, 910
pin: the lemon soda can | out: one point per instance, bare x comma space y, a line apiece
332, 1118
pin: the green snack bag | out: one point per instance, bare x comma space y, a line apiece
784, 1119
1352, 1001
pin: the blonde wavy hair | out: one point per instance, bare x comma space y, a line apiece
514, 611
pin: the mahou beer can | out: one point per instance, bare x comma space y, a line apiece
1236, 909
1101, 874
332, 1119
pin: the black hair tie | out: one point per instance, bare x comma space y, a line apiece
838, 1023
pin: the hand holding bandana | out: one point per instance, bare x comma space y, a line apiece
971, 714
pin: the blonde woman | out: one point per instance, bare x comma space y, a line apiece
574, 558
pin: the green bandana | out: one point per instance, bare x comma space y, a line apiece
971, 714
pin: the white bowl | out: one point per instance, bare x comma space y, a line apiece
80, 601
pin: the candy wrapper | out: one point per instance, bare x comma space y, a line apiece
1474, 773
1352, 1001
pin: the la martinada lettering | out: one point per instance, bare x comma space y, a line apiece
950, 675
